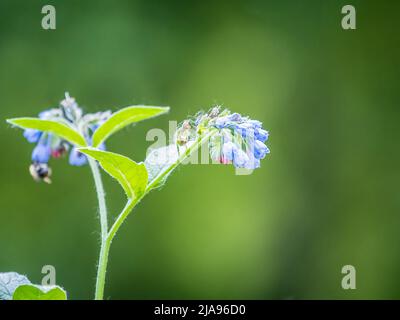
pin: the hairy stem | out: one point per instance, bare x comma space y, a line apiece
101, 196
105, 249
102, 269
102, 265
121, 218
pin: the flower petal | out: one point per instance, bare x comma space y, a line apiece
41, 153
32, 135
77, 158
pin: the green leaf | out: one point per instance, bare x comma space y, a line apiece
9, 282
32, 292
132, 176
60, 129
123, 118
160, 163
14, 286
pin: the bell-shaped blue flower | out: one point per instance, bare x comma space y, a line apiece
245, 129
32, 135
245, 146
228, 150
41, 153
50, 145
261, 135
45, 114
255, 123
240, 158
235, 117
252, 163
77, 158
221, 122
260, 149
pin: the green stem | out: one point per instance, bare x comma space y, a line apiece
104, 229
105, 249
121, 218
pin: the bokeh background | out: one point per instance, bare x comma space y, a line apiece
327, 196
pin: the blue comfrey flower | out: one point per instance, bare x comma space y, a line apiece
238, 140
260, 149
231, 153
255, 123
77, 158
229, 149
240, 159
50, 145
252, 163
227, 121
261, 135
32, 135
42, 152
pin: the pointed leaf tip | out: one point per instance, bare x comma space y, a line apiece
62, 130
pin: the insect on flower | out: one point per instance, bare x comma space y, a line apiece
237, 140
40, 172
49, 145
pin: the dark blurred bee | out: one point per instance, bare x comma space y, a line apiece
40, 172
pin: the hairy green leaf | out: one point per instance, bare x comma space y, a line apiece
60, 129
9, 282
159, 164
32, 292
131, 175
123, 118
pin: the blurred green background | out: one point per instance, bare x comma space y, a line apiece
327, 196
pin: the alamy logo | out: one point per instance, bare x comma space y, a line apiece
349, 20
49, 20
349, 280
50, 275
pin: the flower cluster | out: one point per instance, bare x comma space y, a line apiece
242, 140
236, 139
49, 145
